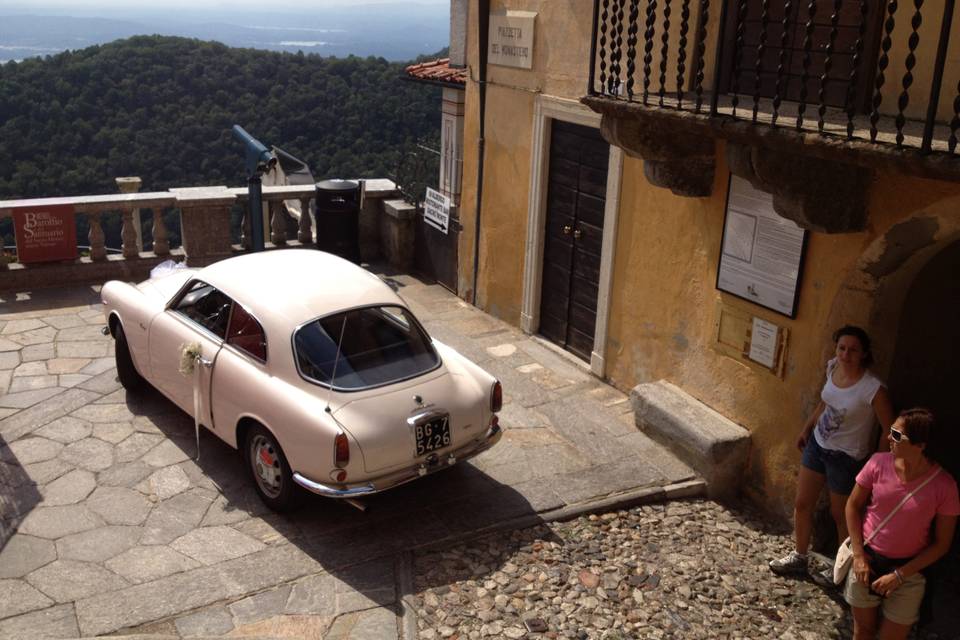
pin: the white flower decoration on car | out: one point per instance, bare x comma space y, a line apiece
189, 354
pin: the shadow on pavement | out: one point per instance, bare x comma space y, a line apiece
18, 493
358, 548
58, 300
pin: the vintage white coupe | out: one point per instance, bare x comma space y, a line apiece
311, 366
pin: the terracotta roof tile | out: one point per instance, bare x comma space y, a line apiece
437, 71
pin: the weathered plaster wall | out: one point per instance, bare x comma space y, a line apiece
506, 189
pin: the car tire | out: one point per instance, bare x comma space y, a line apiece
269, 470
126, 372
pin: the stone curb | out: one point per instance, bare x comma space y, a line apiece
617, 502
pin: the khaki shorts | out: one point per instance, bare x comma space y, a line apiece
901, 606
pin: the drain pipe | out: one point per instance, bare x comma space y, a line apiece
483, 28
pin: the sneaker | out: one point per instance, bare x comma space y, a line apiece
824, 578
793, 563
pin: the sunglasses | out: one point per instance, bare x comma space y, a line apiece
897, 435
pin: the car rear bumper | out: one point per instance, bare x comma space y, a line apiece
396, 478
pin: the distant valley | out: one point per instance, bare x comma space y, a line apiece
390, 31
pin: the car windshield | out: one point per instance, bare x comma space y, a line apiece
379, 345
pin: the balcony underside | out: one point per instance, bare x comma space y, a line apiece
805, 168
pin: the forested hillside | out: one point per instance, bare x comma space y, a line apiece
162, 108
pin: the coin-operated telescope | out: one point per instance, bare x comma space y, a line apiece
257, 161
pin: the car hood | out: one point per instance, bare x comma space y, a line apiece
378, 420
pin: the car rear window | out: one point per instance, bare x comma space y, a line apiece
379, 345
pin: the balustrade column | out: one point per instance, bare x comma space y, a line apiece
131, 184
98, 248
278, 222
128, 234
305, 231
161, 244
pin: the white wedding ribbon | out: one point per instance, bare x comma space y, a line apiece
196, 402
190, 358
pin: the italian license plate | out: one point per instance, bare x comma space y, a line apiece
432, 435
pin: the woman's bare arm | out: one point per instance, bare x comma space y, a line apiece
854, 514
883, 408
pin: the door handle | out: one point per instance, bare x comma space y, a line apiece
206, 363
576, 234
567, 229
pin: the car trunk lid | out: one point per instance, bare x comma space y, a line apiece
382, 419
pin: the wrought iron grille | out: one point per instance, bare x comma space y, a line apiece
418, 168
859, 69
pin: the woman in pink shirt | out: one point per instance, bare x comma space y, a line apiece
886, 572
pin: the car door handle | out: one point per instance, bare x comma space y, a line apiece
566, 229
206, 363
576, 234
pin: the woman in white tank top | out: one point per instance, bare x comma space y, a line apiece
836, 440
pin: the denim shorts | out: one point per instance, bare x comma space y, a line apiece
841, 469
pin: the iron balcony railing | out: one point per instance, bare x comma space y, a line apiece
859, 69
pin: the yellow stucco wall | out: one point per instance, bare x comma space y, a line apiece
665, 307
664, 304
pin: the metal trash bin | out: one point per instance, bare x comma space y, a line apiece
338, 218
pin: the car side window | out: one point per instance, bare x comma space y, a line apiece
205, 305
246, 334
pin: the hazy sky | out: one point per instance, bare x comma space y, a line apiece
200, 4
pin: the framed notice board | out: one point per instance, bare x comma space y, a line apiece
761, 256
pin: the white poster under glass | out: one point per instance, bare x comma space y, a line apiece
762, 253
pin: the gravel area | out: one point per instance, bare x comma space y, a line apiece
690, 569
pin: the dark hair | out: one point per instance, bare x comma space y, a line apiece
859, 334
919, 424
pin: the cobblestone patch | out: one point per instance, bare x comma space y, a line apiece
691, 569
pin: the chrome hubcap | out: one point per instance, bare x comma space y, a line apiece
266, 465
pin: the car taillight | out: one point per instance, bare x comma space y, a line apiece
496, 397
341, 450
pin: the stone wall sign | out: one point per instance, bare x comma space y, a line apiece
761, 256
511, 39
45, 234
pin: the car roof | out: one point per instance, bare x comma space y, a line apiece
293, 286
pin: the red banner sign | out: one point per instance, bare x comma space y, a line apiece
45, 234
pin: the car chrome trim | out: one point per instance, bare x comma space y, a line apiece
396, 478
327, 385
426, 416
333, 492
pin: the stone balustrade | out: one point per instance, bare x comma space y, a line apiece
205, 228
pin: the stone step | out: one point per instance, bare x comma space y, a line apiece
716, 447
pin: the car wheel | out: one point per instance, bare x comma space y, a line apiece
126, 372
271, 474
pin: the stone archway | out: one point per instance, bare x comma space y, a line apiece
874, 293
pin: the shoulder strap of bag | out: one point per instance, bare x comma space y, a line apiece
902, 502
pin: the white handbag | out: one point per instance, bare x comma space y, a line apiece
844, 559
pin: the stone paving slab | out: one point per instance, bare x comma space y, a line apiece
108, 524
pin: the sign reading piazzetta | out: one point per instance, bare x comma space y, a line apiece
45, 234
511, 39
762, 251
436, 210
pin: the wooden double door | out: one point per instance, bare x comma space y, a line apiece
576, 198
